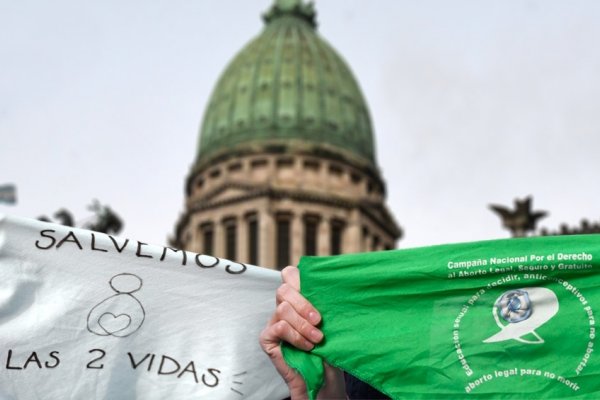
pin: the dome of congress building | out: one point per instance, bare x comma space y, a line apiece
287, 87
286, 160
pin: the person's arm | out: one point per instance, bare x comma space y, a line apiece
295, 321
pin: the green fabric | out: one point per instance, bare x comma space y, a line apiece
495, 319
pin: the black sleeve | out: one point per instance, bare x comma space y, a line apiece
358, 390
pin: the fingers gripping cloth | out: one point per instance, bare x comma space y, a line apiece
504, 318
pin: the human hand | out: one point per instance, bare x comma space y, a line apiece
295, 320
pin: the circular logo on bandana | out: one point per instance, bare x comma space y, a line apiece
525, 310
514, 306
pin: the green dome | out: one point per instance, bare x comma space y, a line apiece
287, 89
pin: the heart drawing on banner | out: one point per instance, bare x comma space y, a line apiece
121, 314
112, 323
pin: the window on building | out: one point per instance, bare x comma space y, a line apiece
283, 244
375, 245
311, 225
230, 239
207, 233
253, 239
365, 239
337, 230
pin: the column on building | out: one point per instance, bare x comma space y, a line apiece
296, 234
266, 232
352, 235
242, 243
324, 237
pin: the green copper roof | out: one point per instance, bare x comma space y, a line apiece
287, 87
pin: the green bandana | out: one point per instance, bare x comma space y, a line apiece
505, 318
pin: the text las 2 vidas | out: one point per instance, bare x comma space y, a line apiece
51, 239
152, 363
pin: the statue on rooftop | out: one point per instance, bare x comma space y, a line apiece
521, 220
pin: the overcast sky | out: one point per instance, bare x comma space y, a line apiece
473, 102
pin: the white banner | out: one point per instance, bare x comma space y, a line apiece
85, 315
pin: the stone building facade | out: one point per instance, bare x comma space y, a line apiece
286, 161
